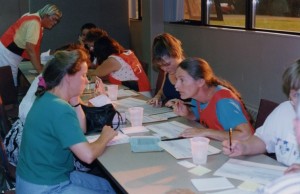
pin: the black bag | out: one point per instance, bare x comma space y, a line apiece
97, 117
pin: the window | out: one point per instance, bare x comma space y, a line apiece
283, 15
273, 15
135, 11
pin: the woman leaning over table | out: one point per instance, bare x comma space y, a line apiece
120, 65
167, 53
217, 104
53, 131
277, 134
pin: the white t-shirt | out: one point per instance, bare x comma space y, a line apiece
125, 73
278, 134
28, 99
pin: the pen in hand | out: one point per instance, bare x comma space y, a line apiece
230, 138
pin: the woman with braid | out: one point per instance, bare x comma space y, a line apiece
216, 103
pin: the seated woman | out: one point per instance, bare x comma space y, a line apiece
277, 134
120, 65
167, 53
216, 103
54, 129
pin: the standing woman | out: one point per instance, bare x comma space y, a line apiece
54, 130
120, 65
167, 53
217, 104
22, 40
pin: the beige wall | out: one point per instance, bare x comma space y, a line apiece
252, 61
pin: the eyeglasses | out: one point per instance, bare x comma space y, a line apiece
54, 18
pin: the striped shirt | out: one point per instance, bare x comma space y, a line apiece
287, 184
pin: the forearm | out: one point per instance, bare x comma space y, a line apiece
241, 133
254, 145
159, 94
76, 103
81, 117
98, 147
88, 152
190, 116
34, 57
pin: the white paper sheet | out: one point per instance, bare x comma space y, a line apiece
181, 148
250, 171
119, 139
100, 100
130, 130
170, 129
209, 184
125, 93
232, 191
148, 109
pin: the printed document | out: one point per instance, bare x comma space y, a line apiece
170, 129
181, 148
250, 171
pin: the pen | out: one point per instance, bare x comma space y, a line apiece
230, 138
188, 105
170, 139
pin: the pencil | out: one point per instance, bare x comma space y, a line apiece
230, 138
188, 104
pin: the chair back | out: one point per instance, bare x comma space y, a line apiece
265, 108
5, 125
159, 81
8, 91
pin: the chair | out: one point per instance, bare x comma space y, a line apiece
265, 108
8, 171
9, 92
5, 125
159, 81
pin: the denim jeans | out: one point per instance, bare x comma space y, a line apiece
79, 183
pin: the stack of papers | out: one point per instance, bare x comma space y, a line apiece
250, 171
125, 93
148, 109
171, 129
119, 139
130, 130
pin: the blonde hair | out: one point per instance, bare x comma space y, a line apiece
49, 10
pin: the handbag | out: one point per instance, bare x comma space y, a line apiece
97, 117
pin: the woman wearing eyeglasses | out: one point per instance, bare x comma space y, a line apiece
277, 134
23, 38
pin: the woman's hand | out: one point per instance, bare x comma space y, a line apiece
155, 101
194, 132
108, 134
180, 108
75, 100
237, 148
292, 169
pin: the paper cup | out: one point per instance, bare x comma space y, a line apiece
136, 116
112, 91
199, 146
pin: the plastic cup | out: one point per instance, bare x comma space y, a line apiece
136, 116
112, 91
199, 146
